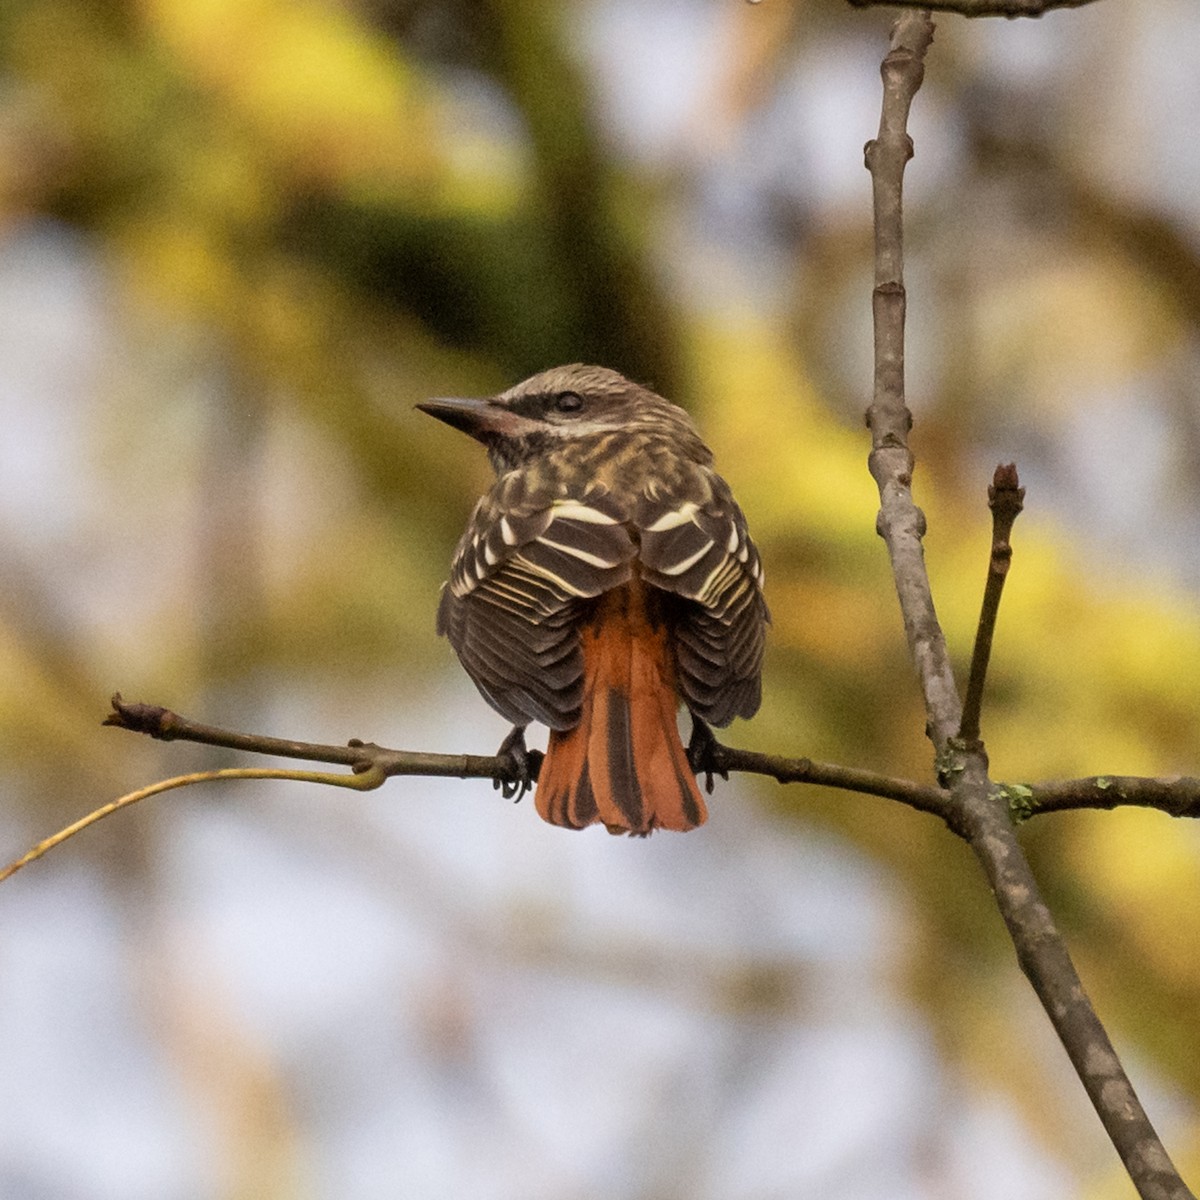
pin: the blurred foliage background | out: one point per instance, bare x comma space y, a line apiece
239, 239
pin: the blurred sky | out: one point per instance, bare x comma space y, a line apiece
424, 993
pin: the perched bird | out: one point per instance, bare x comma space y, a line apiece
605, 576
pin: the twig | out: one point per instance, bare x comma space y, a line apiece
371, 765
1005, 499
1175, 795
901, 522
978, 811
979, 8
922, 797
361, 781
167, 726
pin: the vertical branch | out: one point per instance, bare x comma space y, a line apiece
977, 811
1046, 962
901, 523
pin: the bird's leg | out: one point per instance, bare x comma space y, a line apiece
524, 765
704, 753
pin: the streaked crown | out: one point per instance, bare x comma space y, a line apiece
575, 404
580, 399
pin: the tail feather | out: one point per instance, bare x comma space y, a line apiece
663, 761
564, 791
623, 764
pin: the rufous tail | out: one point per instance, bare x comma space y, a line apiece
623, 764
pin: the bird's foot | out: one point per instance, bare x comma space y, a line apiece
704, 753
522, 767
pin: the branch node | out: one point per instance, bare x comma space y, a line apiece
1018, 799
151, 719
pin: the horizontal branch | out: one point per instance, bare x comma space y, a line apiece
165, 725
978, 8
1175, 795
1178, 796
371, 766
923, 797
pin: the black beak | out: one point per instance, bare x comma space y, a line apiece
484, 420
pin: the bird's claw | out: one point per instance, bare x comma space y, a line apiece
522, 768
704, 754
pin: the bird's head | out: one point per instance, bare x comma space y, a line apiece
575, 403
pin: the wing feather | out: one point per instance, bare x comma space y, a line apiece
696, 546
531, 564
520, 578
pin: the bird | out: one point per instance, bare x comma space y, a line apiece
605, 577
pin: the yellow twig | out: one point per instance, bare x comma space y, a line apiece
363, 781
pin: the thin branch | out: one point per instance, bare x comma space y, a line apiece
979, 811
361, 781
371, 765
979, 8
923, 797
901, 523
168, 726
1005, 498
162, 723
1175, 795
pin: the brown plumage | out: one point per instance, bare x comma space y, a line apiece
606, 575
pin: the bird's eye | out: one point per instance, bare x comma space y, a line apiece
568, 402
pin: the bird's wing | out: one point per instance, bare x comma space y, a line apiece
699, 549
522, 572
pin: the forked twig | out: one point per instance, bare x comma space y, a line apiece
979, 811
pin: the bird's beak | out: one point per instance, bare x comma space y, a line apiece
482, 419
